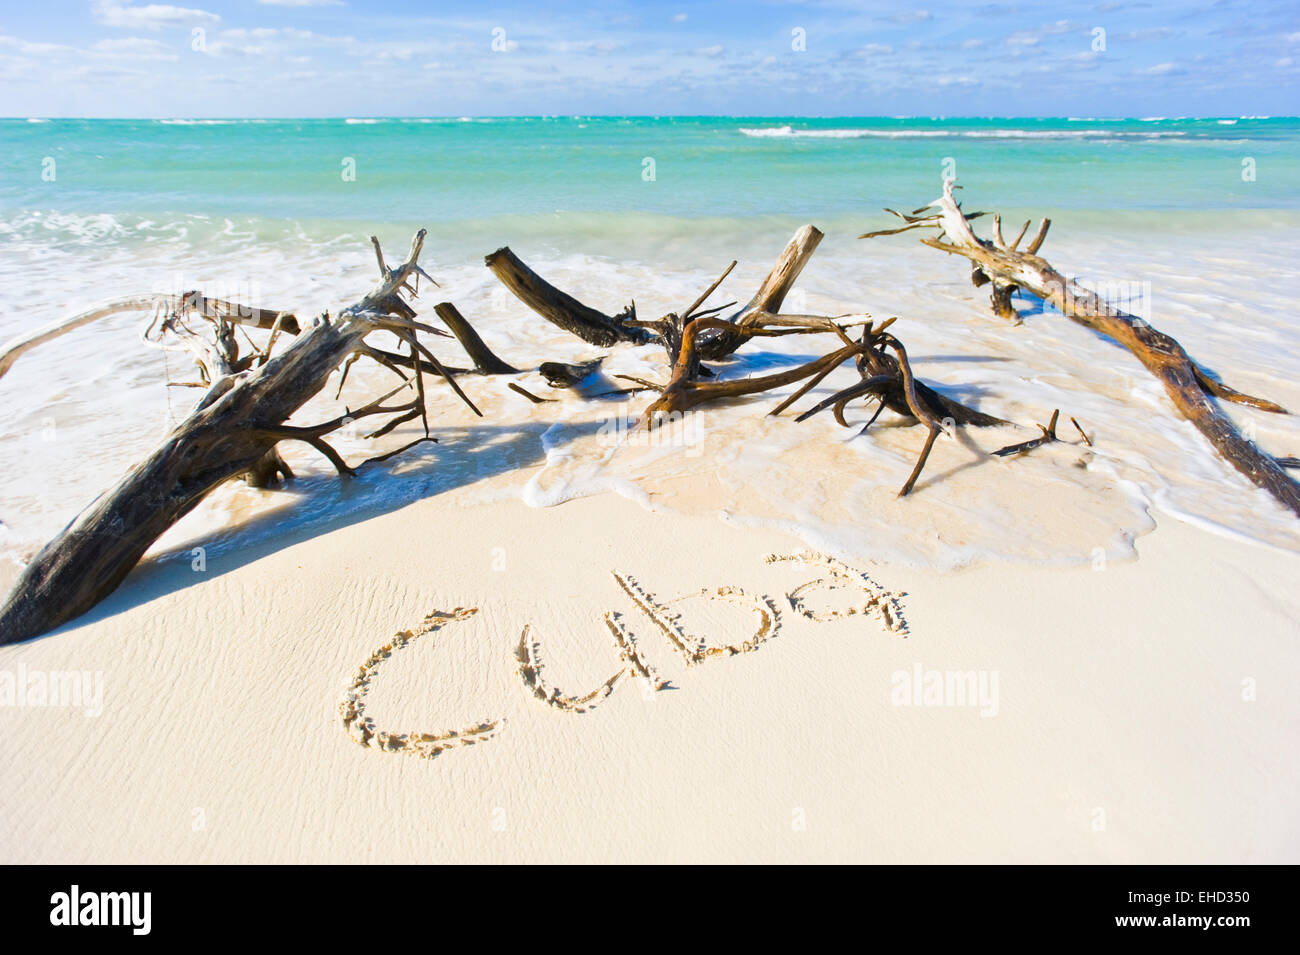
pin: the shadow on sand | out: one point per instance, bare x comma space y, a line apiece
315, 505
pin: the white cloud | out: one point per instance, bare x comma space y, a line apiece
309, 37
258, 33
568, 47
679, 18
131, 44
28, 48
1028, 38
153, 16
715, 50
301, 3
221, 48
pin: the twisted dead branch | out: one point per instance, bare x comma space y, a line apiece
213, 309
237, 423
596, 328
1190, 387
697, 334
560, 309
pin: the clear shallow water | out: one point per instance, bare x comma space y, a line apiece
259, 210
451, 170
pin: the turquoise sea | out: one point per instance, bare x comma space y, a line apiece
458, 170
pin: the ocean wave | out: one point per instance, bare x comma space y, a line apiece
789, 132
783, 132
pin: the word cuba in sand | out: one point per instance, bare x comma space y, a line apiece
868, 600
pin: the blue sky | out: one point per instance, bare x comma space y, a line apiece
825, 57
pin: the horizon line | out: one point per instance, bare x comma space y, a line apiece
658, 116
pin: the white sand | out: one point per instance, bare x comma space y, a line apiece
1120, 734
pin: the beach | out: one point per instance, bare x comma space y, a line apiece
1120, 733
548, 637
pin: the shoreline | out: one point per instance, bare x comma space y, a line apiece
83, 438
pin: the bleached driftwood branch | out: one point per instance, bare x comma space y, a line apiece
213, 309
1189, 386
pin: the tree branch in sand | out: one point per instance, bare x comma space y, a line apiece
769, 297
889, 378
596, 328
883, 377
560, 309
236, 424
684, 391
213, 309
1047, 437
485, 360
1187, 383
697, 334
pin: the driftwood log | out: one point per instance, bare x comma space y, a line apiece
560, 309
1190, 387
235, 426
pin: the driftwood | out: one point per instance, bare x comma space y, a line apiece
697, 334
213, 309
596, 328
485, 361
236, 424
1047, 437
559, 374
560, 309
1192, 389
520, 390
884, 376
684, 390
250, 396
769, 297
